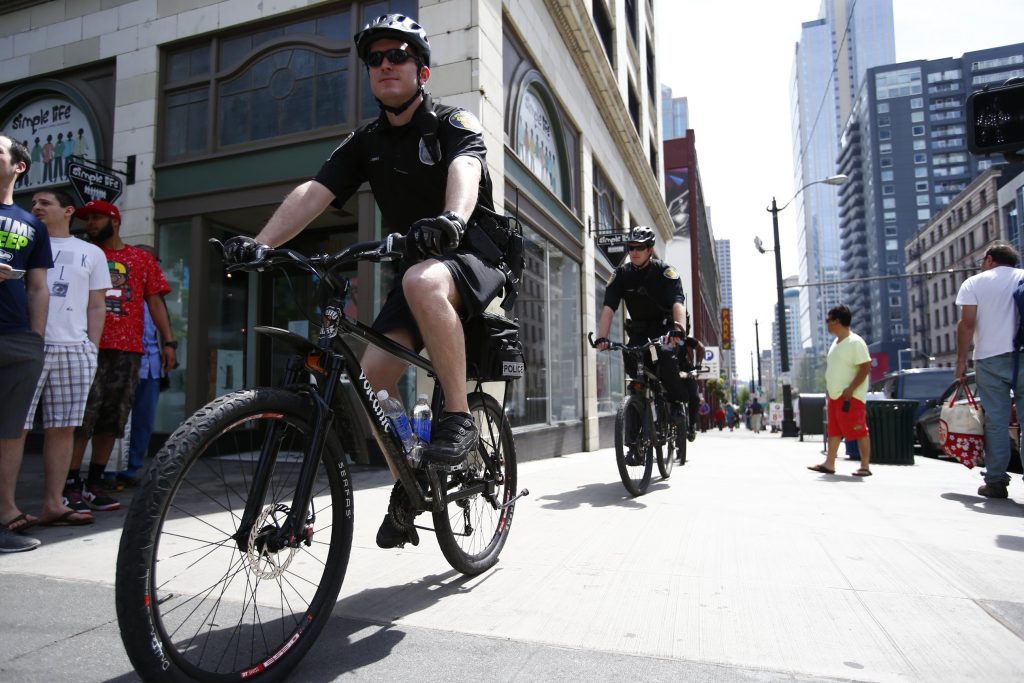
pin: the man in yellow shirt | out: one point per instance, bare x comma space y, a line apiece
846, 380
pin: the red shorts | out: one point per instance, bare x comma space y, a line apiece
852, 424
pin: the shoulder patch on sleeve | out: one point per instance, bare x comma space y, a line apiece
343, 142
463, 120
671, 273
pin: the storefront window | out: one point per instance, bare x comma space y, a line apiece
549, 315
278, 80
173, 254
610, 377
226, 296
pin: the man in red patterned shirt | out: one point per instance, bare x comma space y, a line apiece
137, 280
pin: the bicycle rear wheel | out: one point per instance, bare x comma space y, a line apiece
195, 603
633, 444
472, 531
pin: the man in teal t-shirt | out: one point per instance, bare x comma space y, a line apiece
846, 381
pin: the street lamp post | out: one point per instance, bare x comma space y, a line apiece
788, 425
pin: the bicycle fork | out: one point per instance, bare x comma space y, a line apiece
297, 527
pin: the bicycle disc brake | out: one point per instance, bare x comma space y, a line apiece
266, 556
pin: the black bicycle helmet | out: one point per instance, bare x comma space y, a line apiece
641, 234
398, 27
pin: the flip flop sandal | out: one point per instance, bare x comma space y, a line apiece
820, 468
21, 523
862, 473
66, 519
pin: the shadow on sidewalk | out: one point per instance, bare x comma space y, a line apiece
350, 643
597, 495
1003, 507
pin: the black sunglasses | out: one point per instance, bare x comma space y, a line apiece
395, 55
637, 247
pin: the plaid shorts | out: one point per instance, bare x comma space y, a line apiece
112, 394
64, 385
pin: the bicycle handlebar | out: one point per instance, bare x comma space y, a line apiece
619, 345
392, 247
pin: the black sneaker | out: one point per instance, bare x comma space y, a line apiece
72, 498
455, 435
993, 490
95, 495
390, 535
11, 542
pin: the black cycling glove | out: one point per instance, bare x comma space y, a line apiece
434, 236
240, 250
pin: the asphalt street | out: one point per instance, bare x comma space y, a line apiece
743, 566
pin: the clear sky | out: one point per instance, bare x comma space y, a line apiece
733, 61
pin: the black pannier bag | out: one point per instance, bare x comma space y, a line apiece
493, 350
499, 239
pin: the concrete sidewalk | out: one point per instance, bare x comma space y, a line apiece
743, 562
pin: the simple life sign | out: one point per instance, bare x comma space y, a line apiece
613, 246
93, 184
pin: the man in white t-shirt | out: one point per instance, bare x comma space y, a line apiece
988, 316
78, 283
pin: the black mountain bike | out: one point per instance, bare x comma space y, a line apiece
236, 544
644, 423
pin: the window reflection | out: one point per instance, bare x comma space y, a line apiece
548, 309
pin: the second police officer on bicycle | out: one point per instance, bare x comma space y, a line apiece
655, 301
426, 165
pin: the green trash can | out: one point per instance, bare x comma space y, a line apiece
891, 423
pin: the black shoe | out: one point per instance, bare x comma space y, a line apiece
993, 490
390, 535
691, 433
11, 542
454, 437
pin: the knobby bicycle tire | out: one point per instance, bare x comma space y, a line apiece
191, 604
470, 531
634, 444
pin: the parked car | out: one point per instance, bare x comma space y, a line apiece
928, 425
917, 384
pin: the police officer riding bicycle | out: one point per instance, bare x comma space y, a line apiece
656, 304
426, 165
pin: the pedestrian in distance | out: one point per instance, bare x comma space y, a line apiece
988, 318
136, 279
77, 283
756, 416
720, 417
846, 382
427, 168
24, 303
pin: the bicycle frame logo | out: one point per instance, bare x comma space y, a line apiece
374, 403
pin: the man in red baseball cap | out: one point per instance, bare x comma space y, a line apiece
136, 281
99, 207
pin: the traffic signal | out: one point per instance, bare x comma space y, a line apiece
995, 119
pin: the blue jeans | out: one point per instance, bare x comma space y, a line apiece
994, 378
143, 417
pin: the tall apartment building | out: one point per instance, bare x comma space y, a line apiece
224, 106
830, 60
675, 115
723, 249
904, 147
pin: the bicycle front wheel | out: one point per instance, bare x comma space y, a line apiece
195, 599
472, 530
633, 444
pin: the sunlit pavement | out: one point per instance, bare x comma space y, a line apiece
743, 566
